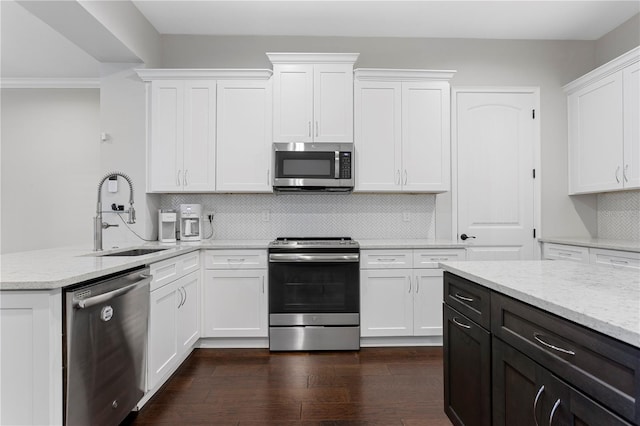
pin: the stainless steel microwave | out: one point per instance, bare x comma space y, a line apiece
313, 167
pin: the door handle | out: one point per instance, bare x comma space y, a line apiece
464, 237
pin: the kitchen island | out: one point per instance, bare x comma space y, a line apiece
531, 340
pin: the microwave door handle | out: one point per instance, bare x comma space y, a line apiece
337, 165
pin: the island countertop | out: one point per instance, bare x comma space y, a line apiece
601, 298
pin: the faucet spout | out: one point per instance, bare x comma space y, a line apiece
97, 221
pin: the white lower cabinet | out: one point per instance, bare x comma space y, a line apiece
592, 255
236, 303
174, 315
397, 300
235, 293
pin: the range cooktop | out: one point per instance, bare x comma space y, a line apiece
313, 242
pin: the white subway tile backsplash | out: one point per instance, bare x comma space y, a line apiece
360, 216
619, 215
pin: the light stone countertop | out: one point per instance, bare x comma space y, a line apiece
601, 243
61, 267
601, 298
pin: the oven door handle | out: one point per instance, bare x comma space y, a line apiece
302, 257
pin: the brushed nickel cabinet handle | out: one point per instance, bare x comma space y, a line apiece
617, 172
186, 173
317, 129
178, 178
405, 176
309, 128
624, 173
535, 404
409, 284
553, 411
466, 299
555, 348
398, 177
460, 324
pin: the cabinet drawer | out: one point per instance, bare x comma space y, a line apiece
170, 270
235, 259
562, 252
605, 369
386, 259
615, 258
429, 258
469, 298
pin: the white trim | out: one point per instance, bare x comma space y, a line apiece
385, 74
50, 83
312, 58
602, 71
537, 186
149, 74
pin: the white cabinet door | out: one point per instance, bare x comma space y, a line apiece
188, 317
425, 137
244, 136
333, 103
235, 303
163, 332
378, 136
167, 135
293, 103
386, 304
198, 169
631, 83
596, 136
427, 302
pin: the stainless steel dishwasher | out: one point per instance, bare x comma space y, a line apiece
105, 340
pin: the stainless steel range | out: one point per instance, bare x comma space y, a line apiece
314, 294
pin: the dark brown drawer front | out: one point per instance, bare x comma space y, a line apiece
603, 368
468, 298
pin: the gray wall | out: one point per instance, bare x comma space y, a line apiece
547, 64
50, 166
618, 41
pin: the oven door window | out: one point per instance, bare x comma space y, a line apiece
314, 288
300, 165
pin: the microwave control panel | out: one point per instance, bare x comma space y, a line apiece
345, 165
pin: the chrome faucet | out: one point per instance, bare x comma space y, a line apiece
98, 224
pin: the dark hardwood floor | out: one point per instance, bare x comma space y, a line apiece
375, 386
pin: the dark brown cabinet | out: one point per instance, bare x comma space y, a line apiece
509, 363
467, 370
525, 393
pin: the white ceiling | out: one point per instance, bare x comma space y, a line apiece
547, 20
30, 48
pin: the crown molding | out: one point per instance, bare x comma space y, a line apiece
50, 83
312, 58
149, 74
603, 71
385, 74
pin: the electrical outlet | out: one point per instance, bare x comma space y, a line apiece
209, 216
266, 215
406, 216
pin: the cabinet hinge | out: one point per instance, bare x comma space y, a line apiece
533, 114
534, 173
534, 232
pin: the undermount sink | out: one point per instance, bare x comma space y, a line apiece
135, 252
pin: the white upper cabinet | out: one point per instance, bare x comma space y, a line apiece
604, 123
402, 130
313, 97
182, 139
187, 114
244, 136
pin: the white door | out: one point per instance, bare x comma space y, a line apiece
235, 303
244, 136
333, 103
425, 136
386, 302
427, 302
495, 135
292, 103
167, 136
188, 311
631, 85
596, 136
199, 136
378, 135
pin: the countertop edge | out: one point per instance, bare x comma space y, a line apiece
598, 243
582, 319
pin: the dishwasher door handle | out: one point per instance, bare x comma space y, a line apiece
96, 300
